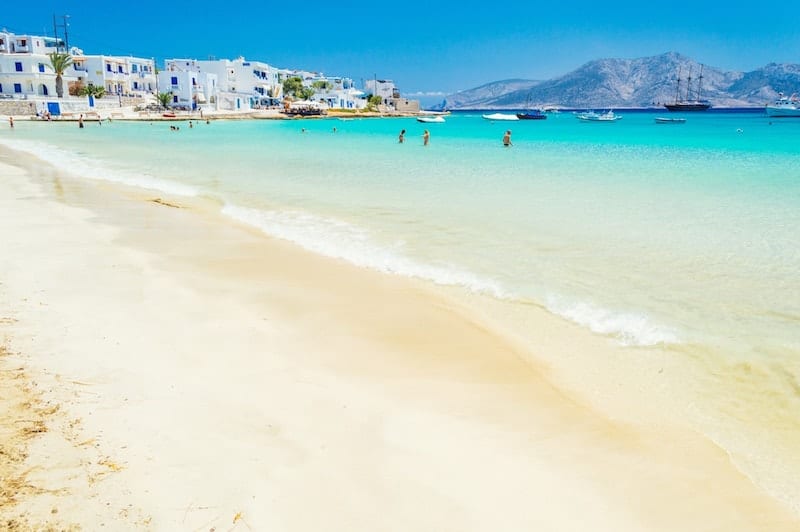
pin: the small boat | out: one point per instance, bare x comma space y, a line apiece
661, 120
591, 116
784, 107
500, 116
169, 115
532, 115
431, 119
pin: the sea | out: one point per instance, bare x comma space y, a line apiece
680, 239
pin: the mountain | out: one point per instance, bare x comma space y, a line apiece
643, 82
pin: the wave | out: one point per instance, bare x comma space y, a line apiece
340, 240
80, 166
630, 329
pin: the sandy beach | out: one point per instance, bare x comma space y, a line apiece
163, 368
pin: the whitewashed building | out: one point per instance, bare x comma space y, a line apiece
390, 96
25, 70
336, 92
385, 88
25, 66
190, 86
235, 85
119, 75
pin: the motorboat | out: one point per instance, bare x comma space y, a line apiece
784, 107
591, 116
501, 116
431, 119
532, 115
662, 120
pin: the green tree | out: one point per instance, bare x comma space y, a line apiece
165, 98
373, 101
294, 87
93, 90
322, 85
60, 63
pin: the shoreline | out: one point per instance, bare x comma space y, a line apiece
412, 399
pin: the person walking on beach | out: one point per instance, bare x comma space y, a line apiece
507, 139
402, 138
80, 121
425, 138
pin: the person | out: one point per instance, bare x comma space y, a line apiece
11, 122
208, 121
425, 138
402, 137
334, 130
190, 124
507, 139
80, 121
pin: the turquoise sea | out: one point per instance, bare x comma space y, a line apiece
682, 238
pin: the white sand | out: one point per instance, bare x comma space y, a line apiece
211, 378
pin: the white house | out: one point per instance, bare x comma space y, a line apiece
257, 82
384, 88
190, 86
25, 66
126, 76
336, 92
25, 70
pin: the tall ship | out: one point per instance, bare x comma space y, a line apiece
687, 103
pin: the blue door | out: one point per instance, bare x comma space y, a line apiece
53, 108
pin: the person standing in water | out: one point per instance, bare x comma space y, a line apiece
402, 138
507, 139
11, 122
425, 138
80, 121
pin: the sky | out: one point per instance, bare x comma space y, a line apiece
428, 49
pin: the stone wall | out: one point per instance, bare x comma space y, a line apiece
17, 107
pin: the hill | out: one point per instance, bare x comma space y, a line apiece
643, 82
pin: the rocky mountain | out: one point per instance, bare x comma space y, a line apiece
643, 82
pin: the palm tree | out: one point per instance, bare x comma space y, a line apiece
165, 98
60, 62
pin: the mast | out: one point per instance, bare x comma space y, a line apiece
678, 85
689, 84
700, 83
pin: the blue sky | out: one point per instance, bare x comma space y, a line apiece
425, 47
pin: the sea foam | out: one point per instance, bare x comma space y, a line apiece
341, 240
80, 166
631, 329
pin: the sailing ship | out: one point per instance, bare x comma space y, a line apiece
687, 104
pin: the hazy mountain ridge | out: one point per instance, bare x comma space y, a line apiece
643, 82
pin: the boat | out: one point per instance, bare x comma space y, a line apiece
662, 120
532, 115
591, 116
784, 107
500, 116
688, 104
535, 114
431, 119
169, 115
